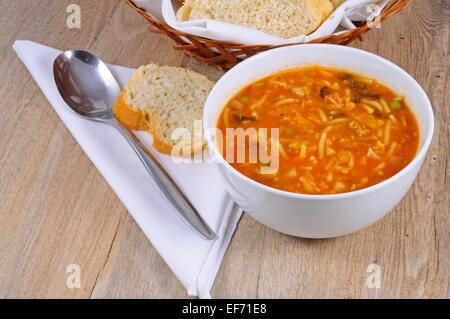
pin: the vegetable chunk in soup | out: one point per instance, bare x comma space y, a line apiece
338, 131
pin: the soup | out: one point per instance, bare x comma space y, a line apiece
337, 131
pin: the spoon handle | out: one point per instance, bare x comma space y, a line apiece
167, 185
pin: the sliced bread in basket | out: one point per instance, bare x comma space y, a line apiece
283, 18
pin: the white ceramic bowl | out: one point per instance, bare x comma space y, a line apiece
319, 216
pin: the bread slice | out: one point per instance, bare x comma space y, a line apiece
337, 3
283, 18
171, 98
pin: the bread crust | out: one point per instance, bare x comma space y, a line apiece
321, 10
337, 3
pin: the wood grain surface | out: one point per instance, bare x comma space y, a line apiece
56, 209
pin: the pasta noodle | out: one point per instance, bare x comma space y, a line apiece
338, 132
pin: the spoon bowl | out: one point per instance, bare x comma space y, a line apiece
86, 84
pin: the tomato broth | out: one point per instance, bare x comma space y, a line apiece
338, 131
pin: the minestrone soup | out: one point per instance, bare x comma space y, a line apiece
337, 131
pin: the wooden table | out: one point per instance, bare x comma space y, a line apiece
57, 210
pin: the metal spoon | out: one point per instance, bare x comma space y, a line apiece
88, 87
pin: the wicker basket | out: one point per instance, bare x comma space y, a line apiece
225, 55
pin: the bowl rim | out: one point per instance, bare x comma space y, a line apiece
349, 50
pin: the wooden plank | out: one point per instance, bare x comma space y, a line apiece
57, 210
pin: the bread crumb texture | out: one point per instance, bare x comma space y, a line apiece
172, 98
283, 18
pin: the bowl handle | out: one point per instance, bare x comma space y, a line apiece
240, 197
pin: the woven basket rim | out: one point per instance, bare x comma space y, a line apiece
226, 54
390, 10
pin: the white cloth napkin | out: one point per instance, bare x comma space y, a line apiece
193, 260
351, 10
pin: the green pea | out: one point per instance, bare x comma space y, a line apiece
244, 99
395, 105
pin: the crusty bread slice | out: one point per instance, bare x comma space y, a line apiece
283, 18
171, 97
337, 3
